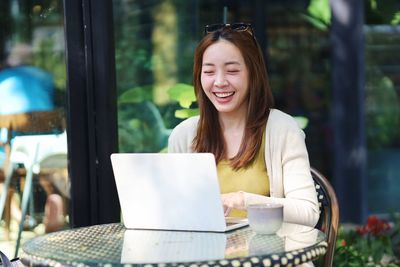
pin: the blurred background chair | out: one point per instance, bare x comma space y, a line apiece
32, 138
329, 213
32, 130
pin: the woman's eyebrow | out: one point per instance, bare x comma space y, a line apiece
232, 63
226, 63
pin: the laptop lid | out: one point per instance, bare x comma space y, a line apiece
169, 191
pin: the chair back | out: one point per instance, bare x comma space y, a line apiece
30, 123
329, 213
37, 122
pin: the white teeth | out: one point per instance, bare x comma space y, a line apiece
223, 94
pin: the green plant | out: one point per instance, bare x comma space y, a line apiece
374, 244
383, 120
382, 12
318, 14
141, 125
184, 95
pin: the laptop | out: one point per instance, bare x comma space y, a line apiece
171, 191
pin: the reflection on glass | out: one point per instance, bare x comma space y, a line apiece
155, 43
32, 117
382, 110
289, 237
154, 46
145, 246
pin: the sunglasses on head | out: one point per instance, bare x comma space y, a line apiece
238, 27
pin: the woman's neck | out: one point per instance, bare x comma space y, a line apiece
232, 123
235, 120
233, 128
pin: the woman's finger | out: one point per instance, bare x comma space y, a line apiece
227, 210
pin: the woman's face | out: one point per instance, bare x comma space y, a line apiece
224, 77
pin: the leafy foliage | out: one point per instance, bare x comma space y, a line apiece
319, 14
141, 126
184, 94
382, 12
137, 94
383, 120
374, 244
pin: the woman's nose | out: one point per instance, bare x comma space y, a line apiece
220, 81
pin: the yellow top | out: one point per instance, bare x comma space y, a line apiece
253, 179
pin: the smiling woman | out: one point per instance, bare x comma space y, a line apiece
260, 151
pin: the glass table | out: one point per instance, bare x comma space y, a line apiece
112, 244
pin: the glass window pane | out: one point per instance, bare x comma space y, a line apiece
382, 107
155, 42
32, 118
298, 61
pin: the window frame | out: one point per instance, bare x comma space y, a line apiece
91, 111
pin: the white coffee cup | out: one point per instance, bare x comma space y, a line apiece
265, 218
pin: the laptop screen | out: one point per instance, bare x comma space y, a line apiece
169, 191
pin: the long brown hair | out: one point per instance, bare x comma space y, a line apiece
209, 137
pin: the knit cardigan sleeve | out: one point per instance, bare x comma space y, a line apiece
288, 168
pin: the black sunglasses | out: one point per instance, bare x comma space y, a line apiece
239, 27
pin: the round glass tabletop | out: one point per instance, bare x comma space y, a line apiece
115, 245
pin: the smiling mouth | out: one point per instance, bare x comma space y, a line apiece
224, 94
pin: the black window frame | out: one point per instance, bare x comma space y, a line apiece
91, 111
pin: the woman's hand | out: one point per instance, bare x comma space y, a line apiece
234, 200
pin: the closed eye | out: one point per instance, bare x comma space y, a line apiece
233, 71
208, 72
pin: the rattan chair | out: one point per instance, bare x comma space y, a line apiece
329, 217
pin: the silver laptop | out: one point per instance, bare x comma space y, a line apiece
170, 191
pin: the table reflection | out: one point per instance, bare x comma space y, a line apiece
147, 246
289, 237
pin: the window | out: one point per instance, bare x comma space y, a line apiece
32, 113
382, 108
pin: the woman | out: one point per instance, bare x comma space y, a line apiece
260, 151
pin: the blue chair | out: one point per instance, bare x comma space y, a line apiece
2, 156
25, 89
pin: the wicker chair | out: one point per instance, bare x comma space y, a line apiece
329, 208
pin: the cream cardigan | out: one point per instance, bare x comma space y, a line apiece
287, 163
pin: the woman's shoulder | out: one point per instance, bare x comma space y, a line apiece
278, 117
185, 128
182, 135
280, 125
187, 125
